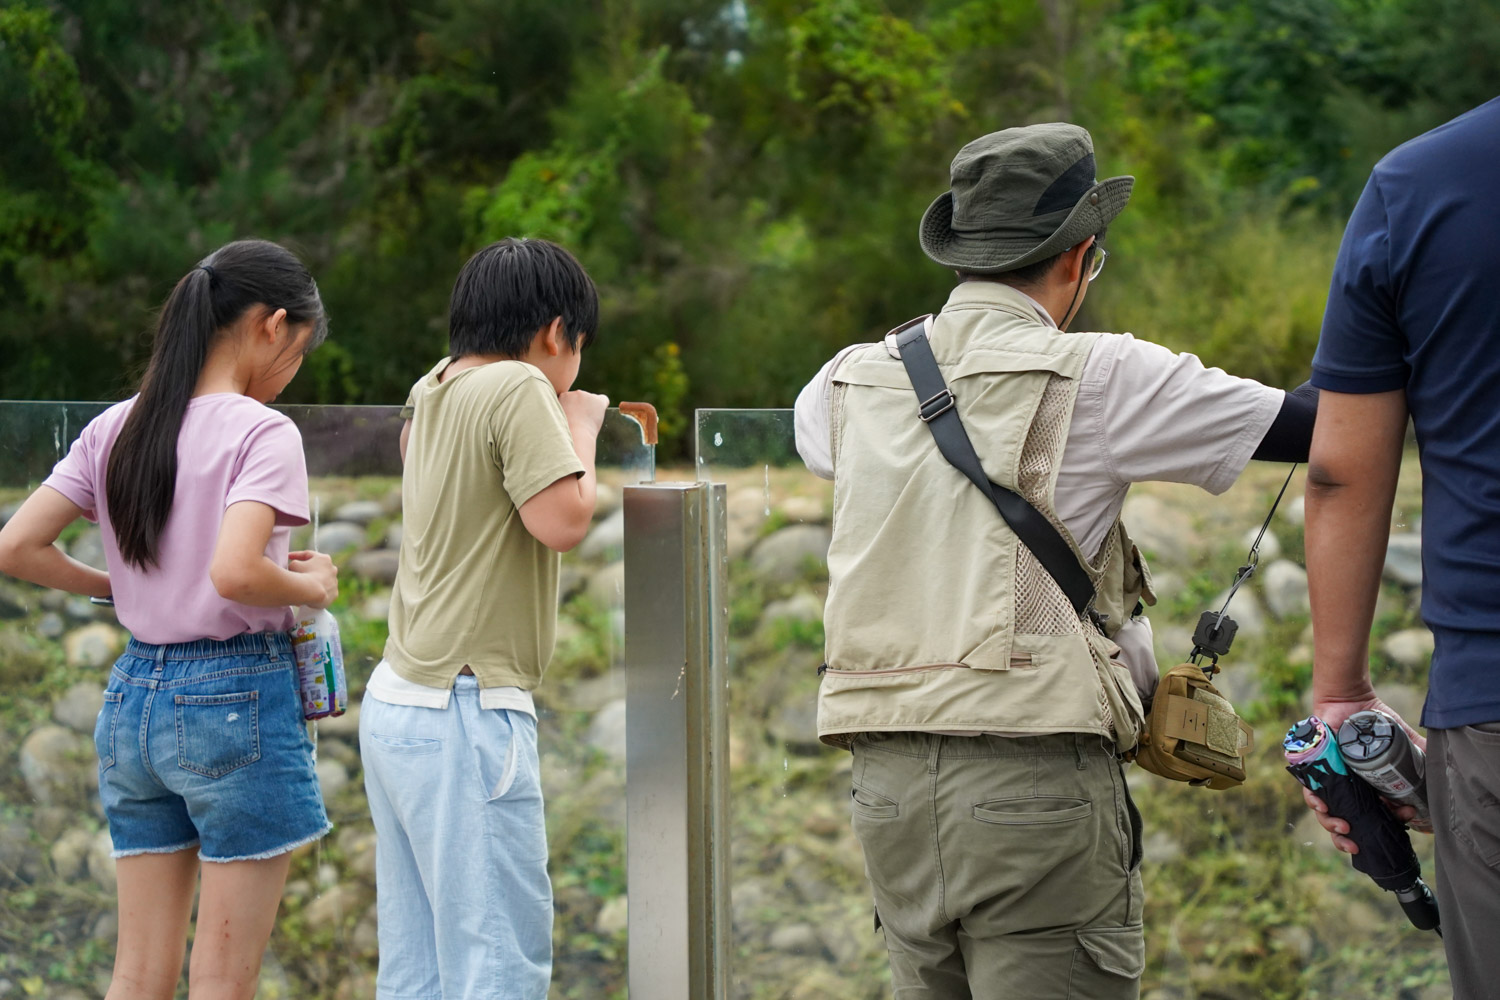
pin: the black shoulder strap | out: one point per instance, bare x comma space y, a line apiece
937, 410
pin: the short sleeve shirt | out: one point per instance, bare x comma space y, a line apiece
474, 587
1415, 306
230, 449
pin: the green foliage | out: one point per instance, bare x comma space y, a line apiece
743, 180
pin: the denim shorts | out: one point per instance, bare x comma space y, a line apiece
203, 743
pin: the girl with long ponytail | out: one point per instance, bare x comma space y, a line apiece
205, 766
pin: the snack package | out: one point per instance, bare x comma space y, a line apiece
320, 664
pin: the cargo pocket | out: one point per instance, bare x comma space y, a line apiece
1108, 963
217, 733
104, 730
1474, 789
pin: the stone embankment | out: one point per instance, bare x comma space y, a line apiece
801, 915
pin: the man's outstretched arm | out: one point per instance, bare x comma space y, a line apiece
1351, 486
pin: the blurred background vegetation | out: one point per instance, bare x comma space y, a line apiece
742, 177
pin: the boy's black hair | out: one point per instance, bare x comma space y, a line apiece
510, 289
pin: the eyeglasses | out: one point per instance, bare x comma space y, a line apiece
1097, 265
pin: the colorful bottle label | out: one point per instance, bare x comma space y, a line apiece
320, 666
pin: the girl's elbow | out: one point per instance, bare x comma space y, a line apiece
228, 582
12, 554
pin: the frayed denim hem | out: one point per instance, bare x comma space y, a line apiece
137, 851
273, 852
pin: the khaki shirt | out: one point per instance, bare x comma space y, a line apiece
474, 587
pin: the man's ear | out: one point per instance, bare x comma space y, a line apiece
553, 338
1072, 261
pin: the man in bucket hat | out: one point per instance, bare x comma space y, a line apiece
984, 712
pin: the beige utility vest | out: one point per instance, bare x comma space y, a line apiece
938, 618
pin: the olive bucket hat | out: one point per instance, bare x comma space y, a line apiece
1019, 196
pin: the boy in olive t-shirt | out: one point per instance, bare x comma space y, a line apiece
499, 478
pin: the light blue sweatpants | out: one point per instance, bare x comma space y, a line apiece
464, 902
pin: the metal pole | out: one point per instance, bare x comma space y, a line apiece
676, 741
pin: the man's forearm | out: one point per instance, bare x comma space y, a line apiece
1355, 462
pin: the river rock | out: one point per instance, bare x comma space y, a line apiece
359, 855
806, 510
13, 602
360, 511
606, 588
106, 928
366, 938
79, 706
1270, 545
88, 548
607, 730
1245, 610
784, 555
376, 565
51, 626
1294, 511
92, 646
614, 917
1403, 699
20, 858
70, 854
1403, 560
344, 726
80, 609
57, 765
803, 606
606, 540
570, 580
1411, 647
333, 777
337, 537
1159, 530
795, 725
376, 607
607, 500
394, 533
796, 939
101, 861
1285, 586
334, 906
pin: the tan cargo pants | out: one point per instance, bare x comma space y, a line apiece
1002, 867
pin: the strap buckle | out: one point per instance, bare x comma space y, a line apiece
930, 409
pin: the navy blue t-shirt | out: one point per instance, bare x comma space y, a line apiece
1415, 304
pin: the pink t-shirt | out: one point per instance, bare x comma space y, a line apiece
231, 448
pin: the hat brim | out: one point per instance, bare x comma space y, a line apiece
993, 252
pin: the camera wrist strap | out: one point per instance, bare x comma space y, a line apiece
938, 410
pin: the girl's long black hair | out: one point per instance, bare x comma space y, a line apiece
141, 477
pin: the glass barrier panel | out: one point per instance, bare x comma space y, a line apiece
1245, 895
58, 920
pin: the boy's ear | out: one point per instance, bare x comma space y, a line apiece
553, 337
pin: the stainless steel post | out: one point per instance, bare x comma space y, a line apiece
676, 743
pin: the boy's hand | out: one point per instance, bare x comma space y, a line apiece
584, 410
323, 572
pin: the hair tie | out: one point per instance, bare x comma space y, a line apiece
209, 269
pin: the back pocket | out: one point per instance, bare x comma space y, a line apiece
217, 733
104, 730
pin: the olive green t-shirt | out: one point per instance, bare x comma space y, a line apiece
474, 587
